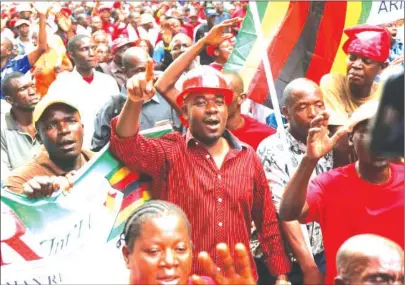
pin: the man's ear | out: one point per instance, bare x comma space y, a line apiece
241, 98
9, 100
284, 111
125, 254
351, 139
185, 114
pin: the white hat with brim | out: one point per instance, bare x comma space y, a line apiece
22, 22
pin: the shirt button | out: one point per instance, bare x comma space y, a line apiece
219, 176
196, 143
220, 200
220, 224
208, 156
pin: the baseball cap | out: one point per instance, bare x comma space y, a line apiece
117, 43
146, 18
49, 100
209, 12
24, 7
22, 22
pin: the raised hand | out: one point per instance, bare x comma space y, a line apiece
234, 271
140, 86
217, 34
42, 7
318, 141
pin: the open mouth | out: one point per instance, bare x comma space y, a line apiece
169, 280
212, 124
67, 145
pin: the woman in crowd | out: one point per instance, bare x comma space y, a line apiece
158, 250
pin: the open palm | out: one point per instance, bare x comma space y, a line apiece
233, 271
318, 141
218, 33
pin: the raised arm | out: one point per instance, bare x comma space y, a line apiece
166, 83
139, 89
293, 204
42, 9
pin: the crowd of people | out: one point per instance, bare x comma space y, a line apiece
307, 204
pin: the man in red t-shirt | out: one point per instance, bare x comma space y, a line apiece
363, 197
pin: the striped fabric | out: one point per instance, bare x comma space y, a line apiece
303, 39
220, 203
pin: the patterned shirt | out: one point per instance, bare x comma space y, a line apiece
220, 203
272, 152
20, 64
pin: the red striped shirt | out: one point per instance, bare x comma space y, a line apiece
220, 203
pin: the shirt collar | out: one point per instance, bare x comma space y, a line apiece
232, 140
294, 142
76, 73
114, 67
10, 122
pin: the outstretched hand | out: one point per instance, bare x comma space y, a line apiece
217, 34
234, 271
140, 86
45, 186
318, 141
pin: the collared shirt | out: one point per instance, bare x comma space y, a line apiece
396, 50
155, 110
17, 146
89, 97
220, 18
220, 203
273, 152
25, 47
40, 165
118, 74
20, 64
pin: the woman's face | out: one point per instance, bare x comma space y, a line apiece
162, 254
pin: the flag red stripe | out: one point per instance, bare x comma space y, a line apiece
280, 48
122, 184
331, 27
134, 196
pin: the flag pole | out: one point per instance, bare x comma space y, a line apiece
274, 100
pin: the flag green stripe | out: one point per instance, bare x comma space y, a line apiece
365, 11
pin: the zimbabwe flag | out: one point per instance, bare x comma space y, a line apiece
303, 39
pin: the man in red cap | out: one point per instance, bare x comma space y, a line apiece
367, 48
220, 53
114, 67
207, 172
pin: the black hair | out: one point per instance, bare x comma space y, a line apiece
151, 209
72, 43
6, 83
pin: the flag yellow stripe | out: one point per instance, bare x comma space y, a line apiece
125, 213
271, 22
119, 175
353, 13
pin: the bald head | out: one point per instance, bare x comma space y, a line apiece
295, 87
362, 256
234, 81
134, 61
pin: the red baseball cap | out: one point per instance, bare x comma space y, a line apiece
120, 42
